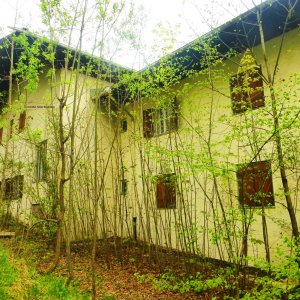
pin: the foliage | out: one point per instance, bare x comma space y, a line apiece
52, 288
8, 274
171, 282
47, 287
204, 153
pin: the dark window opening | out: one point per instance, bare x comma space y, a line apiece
255, 184
14, 188
123, 125
166, 191
123, 186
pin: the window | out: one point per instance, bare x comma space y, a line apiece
255, 184
166, 191
22, 121
41, 161
102, 98
4, 88
123, 125
1, 135
123, 187
247, 90
14, 187
160, 121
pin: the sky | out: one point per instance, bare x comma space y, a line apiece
167, 24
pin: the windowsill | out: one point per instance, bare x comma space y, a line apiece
166, 208
257, 207
247, 110
162, 134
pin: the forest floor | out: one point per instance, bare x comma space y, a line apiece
126, 277
124, 270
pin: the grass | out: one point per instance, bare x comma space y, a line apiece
18, 281
8, 274
54, 288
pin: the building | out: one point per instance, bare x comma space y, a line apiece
198, 152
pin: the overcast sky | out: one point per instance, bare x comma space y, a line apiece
183, 18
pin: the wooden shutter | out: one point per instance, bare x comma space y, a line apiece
22, 120
247, 90
256, 85
263, 183
170, 194
255, 184
247, 191
1, 135
166, 191
237, 93
147, 123
160, 193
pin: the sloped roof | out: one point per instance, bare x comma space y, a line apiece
238, 34
105, 67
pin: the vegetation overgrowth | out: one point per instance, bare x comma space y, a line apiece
185, 135
20, 280
134, 275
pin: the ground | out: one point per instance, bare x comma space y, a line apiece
125, 269
123, 278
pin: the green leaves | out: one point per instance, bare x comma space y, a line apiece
29, 65
8, 274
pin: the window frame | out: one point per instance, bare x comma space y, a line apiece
160, 121
256, 186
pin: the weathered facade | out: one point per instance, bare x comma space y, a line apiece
192, 162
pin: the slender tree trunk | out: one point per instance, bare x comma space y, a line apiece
277, 135
61, 188
72, 152
96, 200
